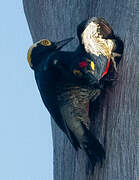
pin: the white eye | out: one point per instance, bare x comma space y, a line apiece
45, 42
55, 62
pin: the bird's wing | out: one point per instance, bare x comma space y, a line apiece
95, 36
49, 97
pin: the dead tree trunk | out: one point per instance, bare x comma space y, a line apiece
118, 121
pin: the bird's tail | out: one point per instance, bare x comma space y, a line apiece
93, 149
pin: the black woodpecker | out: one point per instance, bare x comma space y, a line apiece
69, 81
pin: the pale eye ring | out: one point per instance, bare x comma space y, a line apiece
46, 42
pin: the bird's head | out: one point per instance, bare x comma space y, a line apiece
94, 26
43, 48
96, 37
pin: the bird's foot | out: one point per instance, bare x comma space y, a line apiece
113, 56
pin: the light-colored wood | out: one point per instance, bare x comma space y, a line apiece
117, 123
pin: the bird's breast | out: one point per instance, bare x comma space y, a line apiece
72, 93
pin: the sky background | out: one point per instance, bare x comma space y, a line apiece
25, 128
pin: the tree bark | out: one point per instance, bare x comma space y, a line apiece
117, 123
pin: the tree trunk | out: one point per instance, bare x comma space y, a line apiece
117, 123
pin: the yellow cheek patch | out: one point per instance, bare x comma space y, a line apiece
30, 52
77, 72
43, 42
29, 56
92, 65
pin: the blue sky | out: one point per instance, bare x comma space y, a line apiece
25, 128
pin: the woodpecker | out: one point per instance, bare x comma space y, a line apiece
69, 81
99, 43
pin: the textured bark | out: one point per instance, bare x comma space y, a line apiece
117, 123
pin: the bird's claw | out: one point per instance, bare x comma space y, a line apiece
113, 56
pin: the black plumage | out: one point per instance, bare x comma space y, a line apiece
69, 81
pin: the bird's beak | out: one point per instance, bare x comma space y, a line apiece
62, 43
58, 46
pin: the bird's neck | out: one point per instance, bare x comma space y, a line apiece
80, 50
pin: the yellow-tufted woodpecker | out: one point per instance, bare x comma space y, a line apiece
69, 81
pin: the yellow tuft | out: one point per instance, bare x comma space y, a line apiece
92, 65
77, 72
